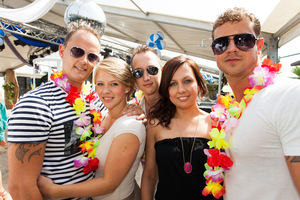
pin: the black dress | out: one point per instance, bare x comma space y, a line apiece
174, 183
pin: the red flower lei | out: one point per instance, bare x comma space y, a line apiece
228, 111
90, 133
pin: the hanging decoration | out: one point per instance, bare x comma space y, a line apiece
208, 78
156, 41
2, 46
85, 12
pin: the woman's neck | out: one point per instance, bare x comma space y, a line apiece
188, 113
117, 111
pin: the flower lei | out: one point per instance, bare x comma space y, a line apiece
89, 133
136, 100
228, 112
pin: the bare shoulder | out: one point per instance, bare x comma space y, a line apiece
153, 124
154, 129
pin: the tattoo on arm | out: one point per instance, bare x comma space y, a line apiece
293, 159
37, 152
23, 149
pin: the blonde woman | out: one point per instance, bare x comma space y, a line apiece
121, 147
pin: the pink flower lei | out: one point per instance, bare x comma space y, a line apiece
89, 133
228, 112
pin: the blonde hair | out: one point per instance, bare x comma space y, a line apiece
120, 70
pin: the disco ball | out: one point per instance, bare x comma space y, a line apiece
86, 13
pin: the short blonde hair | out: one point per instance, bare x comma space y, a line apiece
74, 29
120, 70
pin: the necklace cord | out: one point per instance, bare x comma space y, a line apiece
191, 153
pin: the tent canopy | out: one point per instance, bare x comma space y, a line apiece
186, 25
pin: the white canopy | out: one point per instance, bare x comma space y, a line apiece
186, 25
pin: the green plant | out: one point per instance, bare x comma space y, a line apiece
9, 92
296, 71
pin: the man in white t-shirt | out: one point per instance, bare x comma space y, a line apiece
265, 147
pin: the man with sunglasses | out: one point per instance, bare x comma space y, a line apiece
265, 145
146, 69
41, 126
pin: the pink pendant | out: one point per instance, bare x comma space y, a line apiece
188, 167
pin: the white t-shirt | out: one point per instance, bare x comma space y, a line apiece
122, 125
268, 130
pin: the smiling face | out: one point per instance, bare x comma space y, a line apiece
111, 91
78, 69
183, 89
149, 84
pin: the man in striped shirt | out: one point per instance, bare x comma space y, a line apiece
41, 129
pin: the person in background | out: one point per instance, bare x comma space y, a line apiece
264, 146
3, 123
3, 194
146, 70
121, 146
177, 133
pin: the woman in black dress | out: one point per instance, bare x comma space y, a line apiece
177, 133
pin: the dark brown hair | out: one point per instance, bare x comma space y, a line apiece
164, 109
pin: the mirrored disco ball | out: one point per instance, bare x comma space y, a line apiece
85, 12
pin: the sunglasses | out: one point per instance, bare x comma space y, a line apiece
78, 52
138, 73
243, 42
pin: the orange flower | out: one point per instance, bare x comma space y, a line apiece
97, 116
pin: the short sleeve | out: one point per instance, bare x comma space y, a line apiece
131, 125
288, 122
30, 120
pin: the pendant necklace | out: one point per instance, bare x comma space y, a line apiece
187, 165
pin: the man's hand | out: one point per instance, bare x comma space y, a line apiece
136, 110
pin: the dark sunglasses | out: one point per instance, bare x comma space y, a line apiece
138, 73
243, 42
78, 52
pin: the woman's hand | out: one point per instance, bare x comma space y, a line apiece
46, 186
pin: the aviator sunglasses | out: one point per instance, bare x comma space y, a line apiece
138, 73
243, 42
78, 52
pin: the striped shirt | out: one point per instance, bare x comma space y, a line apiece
43, 115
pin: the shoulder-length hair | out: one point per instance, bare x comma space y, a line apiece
164, 109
